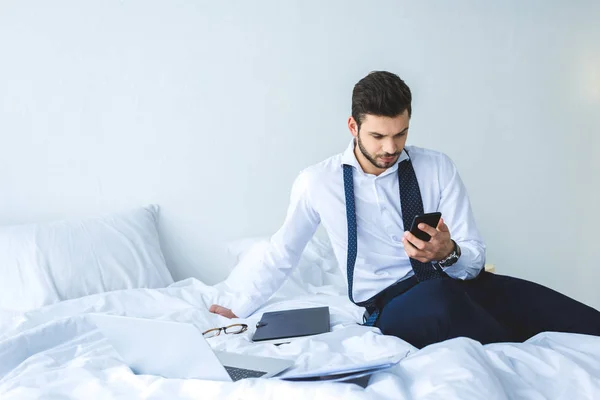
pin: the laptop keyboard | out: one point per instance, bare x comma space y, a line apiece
239, 373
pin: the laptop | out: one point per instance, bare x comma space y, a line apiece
179, 350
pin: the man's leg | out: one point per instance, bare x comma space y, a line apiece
436, 310
528, 308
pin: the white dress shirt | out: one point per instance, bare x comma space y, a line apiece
318, 197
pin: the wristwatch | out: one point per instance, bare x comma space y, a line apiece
452, 257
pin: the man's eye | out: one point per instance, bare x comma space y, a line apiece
377, 137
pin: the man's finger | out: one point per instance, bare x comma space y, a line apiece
427, 229
415, 253
216, 309
415, 241
442, 227
409, 248
225, 312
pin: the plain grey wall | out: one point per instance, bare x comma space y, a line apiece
210, 109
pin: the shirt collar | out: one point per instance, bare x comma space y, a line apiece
349, 158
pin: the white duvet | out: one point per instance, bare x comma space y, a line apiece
56, 352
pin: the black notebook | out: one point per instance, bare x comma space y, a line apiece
292, 323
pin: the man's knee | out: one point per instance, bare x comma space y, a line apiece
423, 316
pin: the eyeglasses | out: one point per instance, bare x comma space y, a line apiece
231, 329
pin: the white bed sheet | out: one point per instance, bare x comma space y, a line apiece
56, 352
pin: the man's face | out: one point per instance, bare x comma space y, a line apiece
380, 140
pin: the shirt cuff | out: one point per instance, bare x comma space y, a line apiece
468, 265
244, 307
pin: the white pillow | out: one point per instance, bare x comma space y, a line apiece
42, 264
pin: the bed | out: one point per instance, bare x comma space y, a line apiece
55, 351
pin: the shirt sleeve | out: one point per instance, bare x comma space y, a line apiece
458, 216
283, 252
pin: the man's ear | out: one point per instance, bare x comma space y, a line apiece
353, 126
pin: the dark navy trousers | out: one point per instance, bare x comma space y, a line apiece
490, 308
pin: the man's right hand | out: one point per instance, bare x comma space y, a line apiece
225, 312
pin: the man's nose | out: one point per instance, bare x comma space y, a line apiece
389, 147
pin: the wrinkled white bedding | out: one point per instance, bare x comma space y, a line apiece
56, 352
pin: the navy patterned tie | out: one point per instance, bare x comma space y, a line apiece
351, 218
412, 204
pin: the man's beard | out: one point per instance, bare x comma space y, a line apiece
373, 160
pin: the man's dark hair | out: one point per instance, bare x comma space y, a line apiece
380, 93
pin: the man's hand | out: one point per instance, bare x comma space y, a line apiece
225, 312
439, 246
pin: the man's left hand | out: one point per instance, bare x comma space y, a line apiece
439, 246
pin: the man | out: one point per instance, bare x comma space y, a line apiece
420, 291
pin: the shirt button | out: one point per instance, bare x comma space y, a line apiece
395, 238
